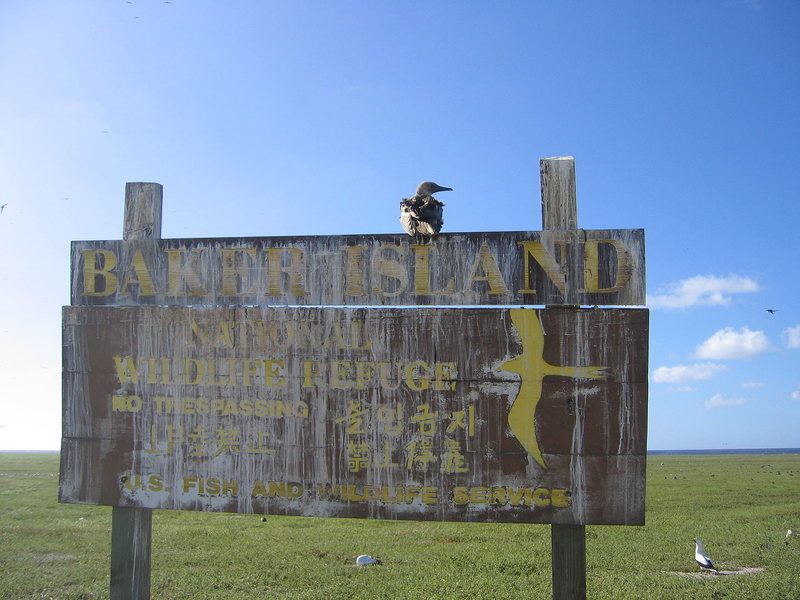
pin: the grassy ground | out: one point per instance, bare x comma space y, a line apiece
740, 506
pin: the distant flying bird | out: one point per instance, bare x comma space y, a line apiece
702, 558
421, 215
365, 560
771, 311
3, 206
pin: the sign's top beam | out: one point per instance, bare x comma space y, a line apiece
589, 267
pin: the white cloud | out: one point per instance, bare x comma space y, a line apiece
683, 373
730, 344
792, 336
752, 385
720, 401
795, 395
708, 290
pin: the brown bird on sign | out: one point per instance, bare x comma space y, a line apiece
422, 214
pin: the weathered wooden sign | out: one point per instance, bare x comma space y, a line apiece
451, 414
550, 267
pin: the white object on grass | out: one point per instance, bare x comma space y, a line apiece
364, 560
701, 557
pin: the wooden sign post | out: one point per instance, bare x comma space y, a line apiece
284, 376
131, 528
560, 213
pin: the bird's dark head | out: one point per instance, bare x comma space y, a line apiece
428, 188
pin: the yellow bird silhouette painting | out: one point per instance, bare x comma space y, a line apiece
532, 369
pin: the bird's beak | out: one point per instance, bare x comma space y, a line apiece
439, 188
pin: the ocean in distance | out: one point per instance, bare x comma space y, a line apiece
730, 451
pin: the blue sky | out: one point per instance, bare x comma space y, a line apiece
291, 118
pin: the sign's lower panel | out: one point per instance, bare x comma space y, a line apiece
515, 415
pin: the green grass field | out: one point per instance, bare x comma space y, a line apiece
740, 506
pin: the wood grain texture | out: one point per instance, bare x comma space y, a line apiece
142, 219
559, 196
131, 544
587, 267
132, 528
568, 561
560, 212
379, 399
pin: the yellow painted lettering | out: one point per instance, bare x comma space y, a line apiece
445, 374
516, 496
354, 271
224, 335
126, 403
274, 373
365, 370
238, 268
591, 266
545, 260
138, 274
429, 495
311, 374
251, 367
181, 273
422, 273
537, 497
414, 377
479, 495
294, 490
259, 489
98, 280
340, 371
391, 269
498, 495
126, 368
294, 271
155, 483
561, 498
460, 495
386, 375
213, 486
200, 334
194, 371
485, 269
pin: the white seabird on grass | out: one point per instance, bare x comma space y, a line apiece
364, 560
702, 558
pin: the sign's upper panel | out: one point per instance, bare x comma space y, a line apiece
604, 267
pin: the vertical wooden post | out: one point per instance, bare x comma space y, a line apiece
559, 198
568, 547
131, 535
131, 528
142, 219
568, 542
